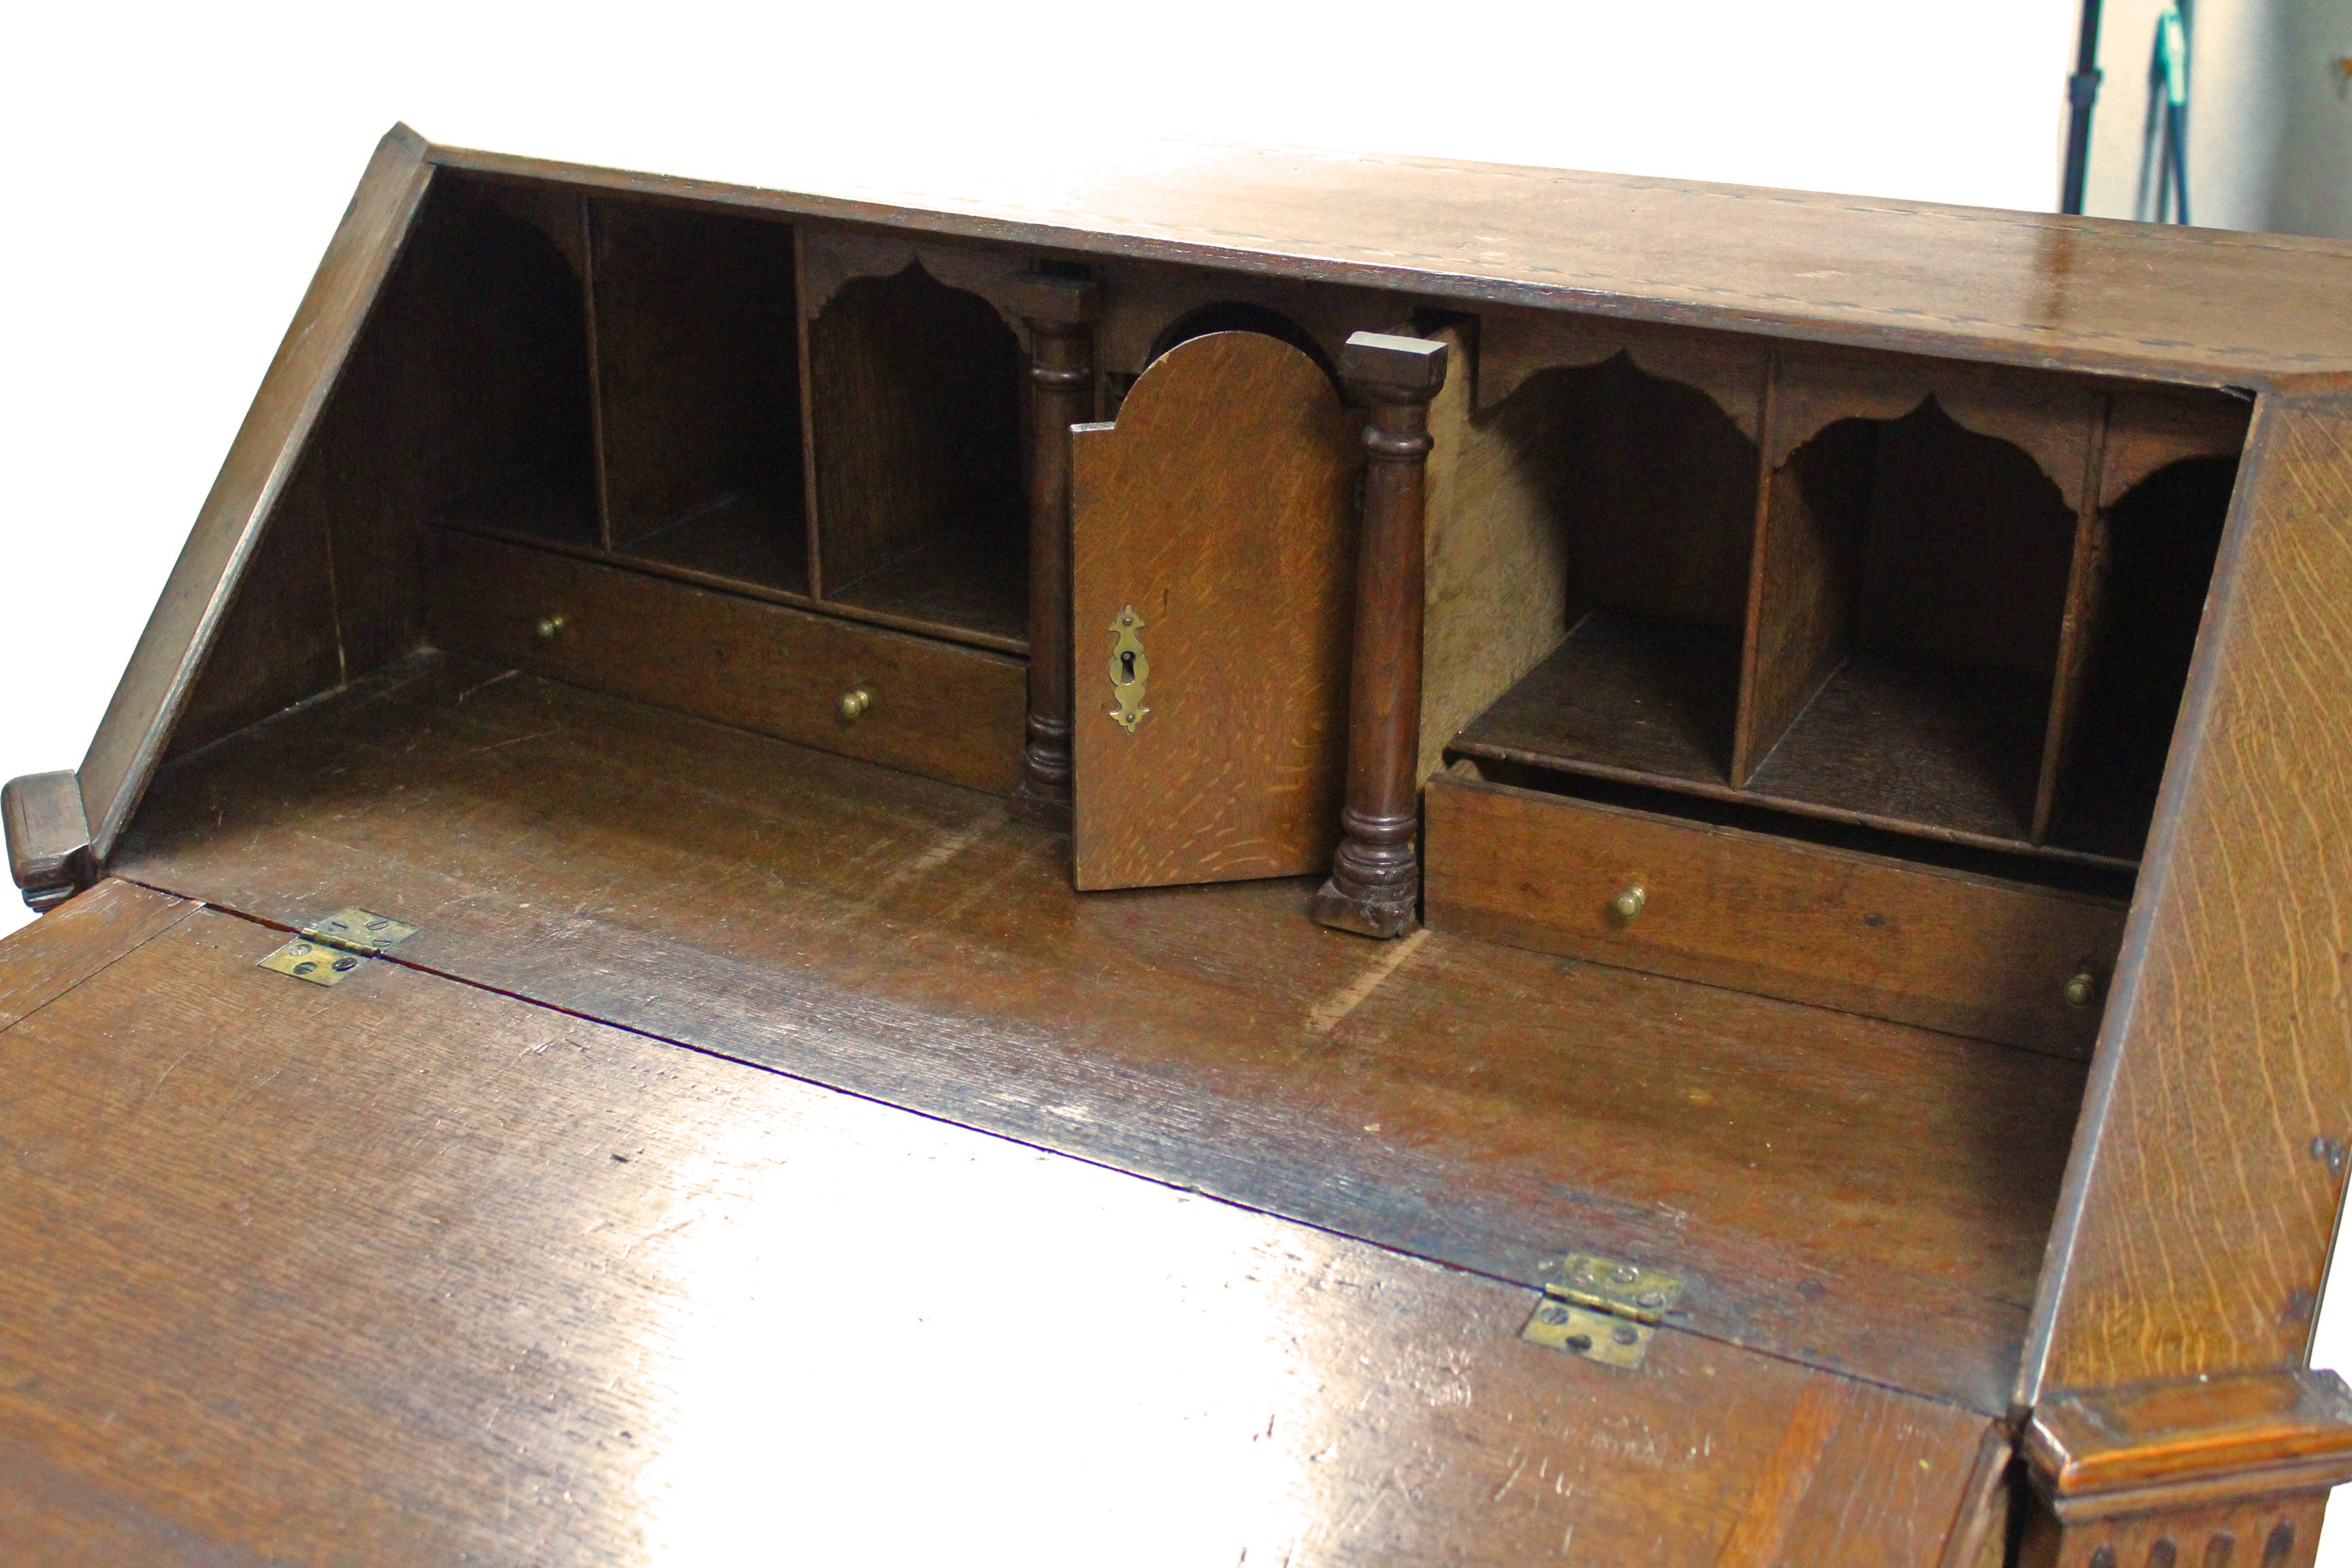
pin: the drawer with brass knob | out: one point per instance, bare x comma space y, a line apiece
1952, 949
930, 707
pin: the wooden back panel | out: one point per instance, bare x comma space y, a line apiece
1217, 512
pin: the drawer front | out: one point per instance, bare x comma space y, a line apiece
933, 708
1964, 953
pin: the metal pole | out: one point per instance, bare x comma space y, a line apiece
2082, 92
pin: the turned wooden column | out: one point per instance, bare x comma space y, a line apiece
1376, 874
1060, 312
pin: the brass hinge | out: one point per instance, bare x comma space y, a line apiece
322, 954
1602, 1309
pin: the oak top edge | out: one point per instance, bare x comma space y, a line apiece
2097, 1440
2198, 307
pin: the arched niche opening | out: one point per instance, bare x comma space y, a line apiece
1912, 595
1621, 507
1241, 316
477, 364
916, 404
2161, 539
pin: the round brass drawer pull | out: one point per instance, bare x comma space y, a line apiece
2082, 988
549, 627
1628, 903
855, 702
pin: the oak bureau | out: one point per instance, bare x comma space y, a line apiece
1452, 862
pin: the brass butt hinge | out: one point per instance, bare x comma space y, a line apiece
1602, 1309
323, 953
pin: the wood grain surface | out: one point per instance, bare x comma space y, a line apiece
138, 720
2202, 1195
1219, 509
1513, 345
2230, 1429
932, 708
697, 379
2023, 288
1806, 922
410, 1272
1625, 697
915, 422
2203, 1191
1810, 518
2050, 418
65, 947
1496, 577
469, 393
901, 939
2140, 433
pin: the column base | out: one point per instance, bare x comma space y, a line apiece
1037, 809
1378, 914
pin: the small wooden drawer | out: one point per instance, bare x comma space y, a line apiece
1974, 955
930, 708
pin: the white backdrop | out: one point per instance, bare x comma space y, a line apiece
177, 173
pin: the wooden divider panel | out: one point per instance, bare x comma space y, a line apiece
1514, 345
2152, 485
1213, 533
2049, 417
699, 421
1917, 536
915, 412
1801, 599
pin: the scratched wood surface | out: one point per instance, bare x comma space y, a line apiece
2200, 1214
1858, 1194
54, 954
408, 1271
1219, 512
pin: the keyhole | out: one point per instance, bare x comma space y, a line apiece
1127, 669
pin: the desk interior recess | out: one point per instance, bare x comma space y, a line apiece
679, 456
1948, 601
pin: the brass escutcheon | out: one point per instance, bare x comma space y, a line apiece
1129, 669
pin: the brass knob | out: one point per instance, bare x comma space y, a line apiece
549, 627
1628, 903
855, 701
2082, 988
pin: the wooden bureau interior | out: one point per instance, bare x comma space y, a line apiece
651, 614
1861, 666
